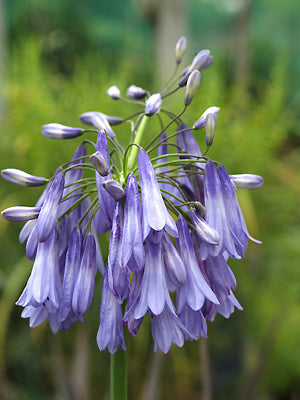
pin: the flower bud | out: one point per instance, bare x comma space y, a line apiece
99, 121
21, 213
21, 178
135, 92
180, 49
114, 92
208, 62
58, 131
192, 86
98, 162
198, 63
203, 230
86, 118
210, 128
114, 188
246, 181
153, 104
200, 123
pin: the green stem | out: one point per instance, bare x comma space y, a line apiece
137, 139
118, 375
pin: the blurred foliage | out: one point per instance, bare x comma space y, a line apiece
256, 348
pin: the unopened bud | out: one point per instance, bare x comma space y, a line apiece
208, 62
86, 118
99, 121
98, 162
114, 188
114, 92
153, 104
180, 49
203, 230
21, 178
200, 123
198, 63
21, 213
246, 181
192, 86
210, 128
135, 92
58, 131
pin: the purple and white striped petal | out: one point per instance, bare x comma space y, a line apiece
175, 269
21, 178
58, 131
194, 322
202, 229
246, 181
87, 118
20, 213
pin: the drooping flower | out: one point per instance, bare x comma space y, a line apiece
155, 213
132, 239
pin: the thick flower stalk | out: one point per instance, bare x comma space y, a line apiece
171, 212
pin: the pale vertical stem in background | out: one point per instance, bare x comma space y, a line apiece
80, 365
150, 389
205, 369
168, 20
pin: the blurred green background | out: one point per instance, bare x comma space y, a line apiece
57, 59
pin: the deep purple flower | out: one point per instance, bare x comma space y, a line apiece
58, 131
110, 333
19, 177
155, 213
132, 239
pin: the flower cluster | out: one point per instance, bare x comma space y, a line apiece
172, 214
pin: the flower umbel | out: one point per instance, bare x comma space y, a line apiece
171, 212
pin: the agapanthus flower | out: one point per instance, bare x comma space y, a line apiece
171, 214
